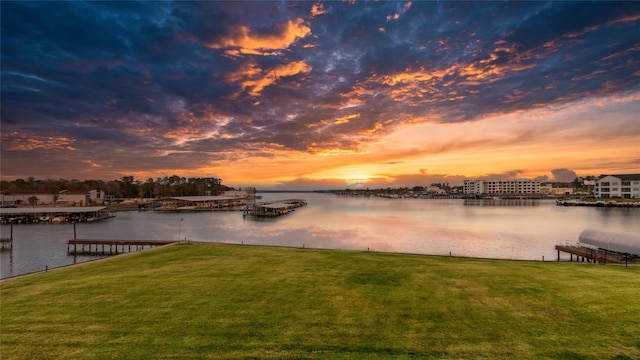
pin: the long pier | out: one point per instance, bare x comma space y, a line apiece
593, 255
110, 247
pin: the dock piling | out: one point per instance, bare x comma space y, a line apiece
8, 240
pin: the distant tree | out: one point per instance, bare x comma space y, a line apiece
127, 187
33, 200
577, 183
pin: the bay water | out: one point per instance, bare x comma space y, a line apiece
498, 229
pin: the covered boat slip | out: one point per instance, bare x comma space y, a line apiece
201, 203
53, 214
604, 247
273, 208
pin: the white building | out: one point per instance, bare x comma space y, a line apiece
80, 197
473, 187
502, 187
22, 197
74, 197
626, 186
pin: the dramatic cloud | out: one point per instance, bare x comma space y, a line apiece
302, 93
563, 175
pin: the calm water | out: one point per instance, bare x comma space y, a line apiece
515, 229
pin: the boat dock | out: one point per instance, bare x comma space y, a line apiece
273, 208
54, 215
7, 241
110, 247
599, 203
595, 255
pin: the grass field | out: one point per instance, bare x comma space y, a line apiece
197, 301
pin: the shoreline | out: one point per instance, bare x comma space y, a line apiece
108, 257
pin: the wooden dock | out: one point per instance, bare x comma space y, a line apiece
7, 241
593, 255
110, 247
273, 208
56, 215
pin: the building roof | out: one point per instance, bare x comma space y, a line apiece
50, 210
25, 192
625, 242
204, 198
625, 177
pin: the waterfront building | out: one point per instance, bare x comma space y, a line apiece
64, 197
502, 187
626, 186
551, 189
22, 197
80, 197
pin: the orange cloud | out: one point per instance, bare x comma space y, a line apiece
317, 9
22, 142
284, 70
250, 76
345, 119
396, 16
92, 164
242, 40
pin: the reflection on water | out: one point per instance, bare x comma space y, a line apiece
501, 202
505, 229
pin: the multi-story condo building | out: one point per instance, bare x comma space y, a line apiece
502, 187
626, 186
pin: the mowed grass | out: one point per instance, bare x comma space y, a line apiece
211, 301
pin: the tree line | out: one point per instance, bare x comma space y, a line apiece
126, 187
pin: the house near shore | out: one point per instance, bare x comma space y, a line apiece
625, 186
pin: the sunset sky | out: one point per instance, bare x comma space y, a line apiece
316, 95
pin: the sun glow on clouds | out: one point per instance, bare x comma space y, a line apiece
524, 142
373, 93
21, 142
254, 79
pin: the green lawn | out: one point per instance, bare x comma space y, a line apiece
199, 301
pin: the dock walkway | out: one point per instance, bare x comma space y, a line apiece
593, 255
110, 247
